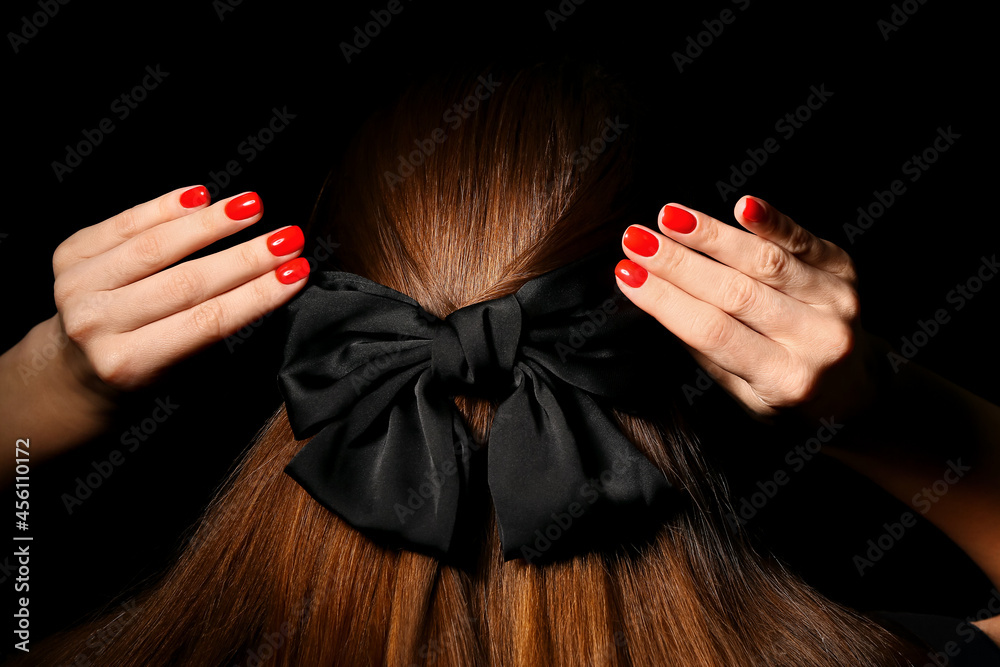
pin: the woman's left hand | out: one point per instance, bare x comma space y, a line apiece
775, 320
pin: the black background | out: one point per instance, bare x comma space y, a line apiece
229, 69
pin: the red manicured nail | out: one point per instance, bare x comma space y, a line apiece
641, 242
631, 273
678, 219
285, 241
292, 271
196, 196
245, 206
753, 211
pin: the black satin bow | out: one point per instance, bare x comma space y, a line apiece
370, 375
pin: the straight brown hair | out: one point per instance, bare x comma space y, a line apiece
527, 178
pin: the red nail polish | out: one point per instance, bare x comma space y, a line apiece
285, 241
631, 273
292, 271
196, 196
753, 211
245, 206
641, 242
678, 220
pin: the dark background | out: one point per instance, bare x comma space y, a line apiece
229, 69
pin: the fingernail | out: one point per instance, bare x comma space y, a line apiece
285, 241
196, 196
292, 271
245, 206
753, 211
631, 273
678, 220
641, 242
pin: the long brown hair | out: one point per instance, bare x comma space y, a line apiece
528, 172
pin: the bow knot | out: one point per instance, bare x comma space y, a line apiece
474, 348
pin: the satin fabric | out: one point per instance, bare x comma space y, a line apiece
370, 377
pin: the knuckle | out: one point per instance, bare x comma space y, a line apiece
739, 296
61, 258
799, 387
247, 259
207, 222
209, 320
62, 290
773, 261
147, 249
183, 288
126, 223
82, 317
716, 331
79, 323
111, 365
261, 295
799, 240
670, 259
709, 234
851, 305
848, 271
841, 342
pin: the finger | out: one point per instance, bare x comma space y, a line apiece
726, 341
188, 284
769, 223
760, 307
759, 258
96, 239
166, 341
167, 243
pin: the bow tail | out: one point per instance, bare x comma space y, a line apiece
399, 481
563, 476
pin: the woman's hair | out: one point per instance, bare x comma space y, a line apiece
463, 190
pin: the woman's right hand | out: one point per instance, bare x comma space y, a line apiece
130, 317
